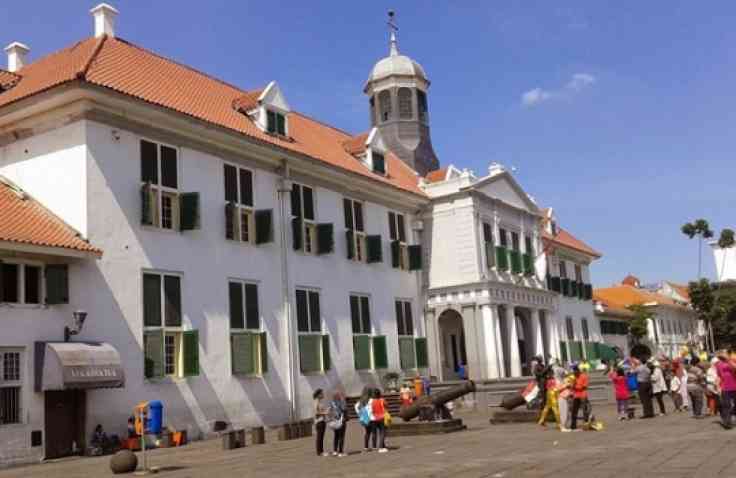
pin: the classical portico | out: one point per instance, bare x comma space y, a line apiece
493, 329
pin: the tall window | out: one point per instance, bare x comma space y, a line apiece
586, 332
248, 345
169, 349
528, 246
384, 103
160, 177
378, 161
488, 244
412, 350
21, 283
369, 352
275, 123
314, 346
515, 241
503, 237
11, 383
570, 329
354, 230
578, 274
304, 224
422, 106
406, 109
372, 105
239, 203
397, 234
563, 269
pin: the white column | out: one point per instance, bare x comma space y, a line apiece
473, 336
554, 335
514, 357
499, 341
489, 325
433, 341
537, 332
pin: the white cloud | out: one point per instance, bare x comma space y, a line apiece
577, 83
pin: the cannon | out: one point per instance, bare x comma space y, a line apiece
426, 405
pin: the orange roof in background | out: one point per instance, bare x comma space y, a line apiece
7, 79
622, 296
436, 176
131, 70
248, 101
24, 220
565, 239
683, 290
356, 144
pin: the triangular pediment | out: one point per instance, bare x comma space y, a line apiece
503, 186
272, 96
375, 141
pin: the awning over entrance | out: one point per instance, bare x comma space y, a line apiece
77, 365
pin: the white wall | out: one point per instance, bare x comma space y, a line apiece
725, 262
51, 167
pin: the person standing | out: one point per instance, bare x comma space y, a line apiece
621, 391
579, 394
713, 388
676, 392
338, 422
726, 370
696, 386
644, 386
552, 391
378, 413
363, 411
320, 417
659, 386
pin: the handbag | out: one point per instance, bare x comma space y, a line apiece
387, 419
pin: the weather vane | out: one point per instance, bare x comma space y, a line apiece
391, 25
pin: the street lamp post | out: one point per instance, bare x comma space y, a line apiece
79, 317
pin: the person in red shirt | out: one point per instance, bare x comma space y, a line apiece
621, 391
726, 370
579, 395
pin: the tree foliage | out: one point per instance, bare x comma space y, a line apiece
716, 306
699, 227
727, 239
638, 325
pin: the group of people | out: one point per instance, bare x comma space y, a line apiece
564, 393
371, 410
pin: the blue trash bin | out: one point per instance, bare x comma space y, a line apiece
155, 416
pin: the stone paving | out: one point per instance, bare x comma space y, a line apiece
670, 446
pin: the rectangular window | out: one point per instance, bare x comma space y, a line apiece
379, 163
248, 345
21, 283
11, 382
276, 123
578, 274
515, 241
408, 344
488, 245
366, 355
169, 350
399, 246
303, 219
242, 220
354, 230
10, 283
563, 269
160, 179
570, 329
586, 332
503, 238
528, 246
32, 284
314, 346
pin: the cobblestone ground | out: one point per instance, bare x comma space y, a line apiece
670, 446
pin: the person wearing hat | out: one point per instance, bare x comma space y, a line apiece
659, 386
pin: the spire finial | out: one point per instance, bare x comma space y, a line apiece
393, 46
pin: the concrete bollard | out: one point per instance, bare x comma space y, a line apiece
233, 439
258, 435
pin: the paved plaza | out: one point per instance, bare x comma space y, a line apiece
672, 446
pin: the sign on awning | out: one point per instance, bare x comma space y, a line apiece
77, 365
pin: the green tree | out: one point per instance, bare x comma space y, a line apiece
700, 228
638, 325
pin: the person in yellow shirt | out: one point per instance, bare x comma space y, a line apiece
552, 390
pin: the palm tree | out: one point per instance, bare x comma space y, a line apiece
700, 228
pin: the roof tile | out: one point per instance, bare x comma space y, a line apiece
565, 239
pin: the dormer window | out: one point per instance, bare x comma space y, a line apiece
275, 123
379, 162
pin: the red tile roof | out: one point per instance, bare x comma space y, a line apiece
565, 239
436, 176
356, 144
248, 101
682, 290
131, 70
622, 296
7, 79
24, 220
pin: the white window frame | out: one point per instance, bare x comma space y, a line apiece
21, 285
243, 209
176, 332
159, 190
245, 330
19, 384
277, 112
414, 336
309, 226
371, 333
403, 245
562, 268
321, 332
359, 237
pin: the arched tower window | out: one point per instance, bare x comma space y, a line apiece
384, 103
406, 110
422, 105
372, 102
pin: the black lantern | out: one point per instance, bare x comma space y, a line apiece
79, 317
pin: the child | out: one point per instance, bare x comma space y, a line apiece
676, 392
406, 395
364, 415
621, 389
552, 388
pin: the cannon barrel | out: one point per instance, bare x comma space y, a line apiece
407, 413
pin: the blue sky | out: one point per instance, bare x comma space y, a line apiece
621, 116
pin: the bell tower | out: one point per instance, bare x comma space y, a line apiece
397, 91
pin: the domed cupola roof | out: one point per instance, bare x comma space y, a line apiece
396, 65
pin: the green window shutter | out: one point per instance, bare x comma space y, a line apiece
270, 121
242, 354
347, 207
190, 342
556, 284
407, 353
362, 352
296, 229
231, 183
264, 226
380, 353
237, 314
502, 258
230, 220
325, 238
281, 124
350, 244
591, 350
148, 205
252, 314
565, 287
151, 300
172, 301
308, 197
528, 265
189, 211
422, 353
149, 162
573, 289
415, 257
516, 262
355, 314
392, 227
153, 350
296, 200
563, 350
263, 348
57, 284
490, 256
395, 254
374, 248
326, 359
588, 292
246, 187
310, 349
379, 163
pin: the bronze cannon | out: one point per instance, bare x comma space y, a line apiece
426, 405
